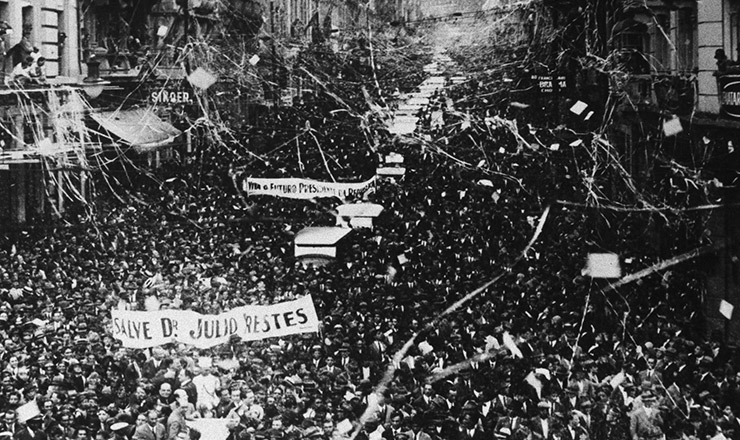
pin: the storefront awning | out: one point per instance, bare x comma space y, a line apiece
140, 128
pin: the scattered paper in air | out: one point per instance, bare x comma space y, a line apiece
579, 107
425, 347
544, 372
617, 380
603, 265
535, 383
725, 308
511, 345
344, 426
28, 411
672, 127
201, 79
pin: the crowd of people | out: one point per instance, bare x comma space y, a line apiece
544, 353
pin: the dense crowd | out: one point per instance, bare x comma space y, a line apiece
541, 354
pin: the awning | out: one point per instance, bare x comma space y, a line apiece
318, 241
140, 128
320, 236
359, 210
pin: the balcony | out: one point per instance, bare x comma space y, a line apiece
655, 92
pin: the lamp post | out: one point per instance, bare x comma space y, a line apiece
92, 84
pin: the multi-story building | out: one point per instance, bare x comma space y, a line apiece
669, 55
48, 25
123, 64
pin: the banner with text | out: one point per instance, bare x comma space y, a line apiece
149, 329
294, 188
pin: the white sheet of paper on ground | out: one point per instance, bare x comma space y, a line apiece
588, 115
254, 60
162, 31
402, 259
555, 147
672, 127
201, 79
576, 143
366, 373
520, 105
485, 182
725, 308
578, 107
603, 265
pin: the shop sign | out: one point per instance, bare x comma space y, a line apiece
549, 83
729, 95
171, 96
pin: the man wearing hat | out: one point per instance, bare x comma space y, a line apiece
32, 430
573, 429
541, 425
646, 421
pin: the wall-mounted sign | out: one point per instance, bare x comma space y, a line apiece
549, 83
729, 95
167, 97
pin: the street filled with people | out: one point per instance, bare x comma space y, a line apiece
545, 351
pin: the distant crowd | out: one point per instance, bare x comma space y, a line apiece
541, 354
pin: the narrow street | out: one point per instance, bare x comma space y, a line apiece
349, 220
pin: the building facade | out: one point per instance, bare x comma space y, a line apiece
673, 73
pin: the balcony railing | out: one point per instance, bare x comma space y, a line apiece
659, 92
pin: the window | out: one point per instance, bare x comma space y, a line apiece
662, 45
686, 44
735, 36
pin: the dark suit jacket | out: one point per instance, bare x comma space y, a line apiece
464, 434
146, 432
535, 426
27, 434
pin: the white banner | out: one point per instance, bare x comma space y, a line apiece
294, 188
211, 429
250, 323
